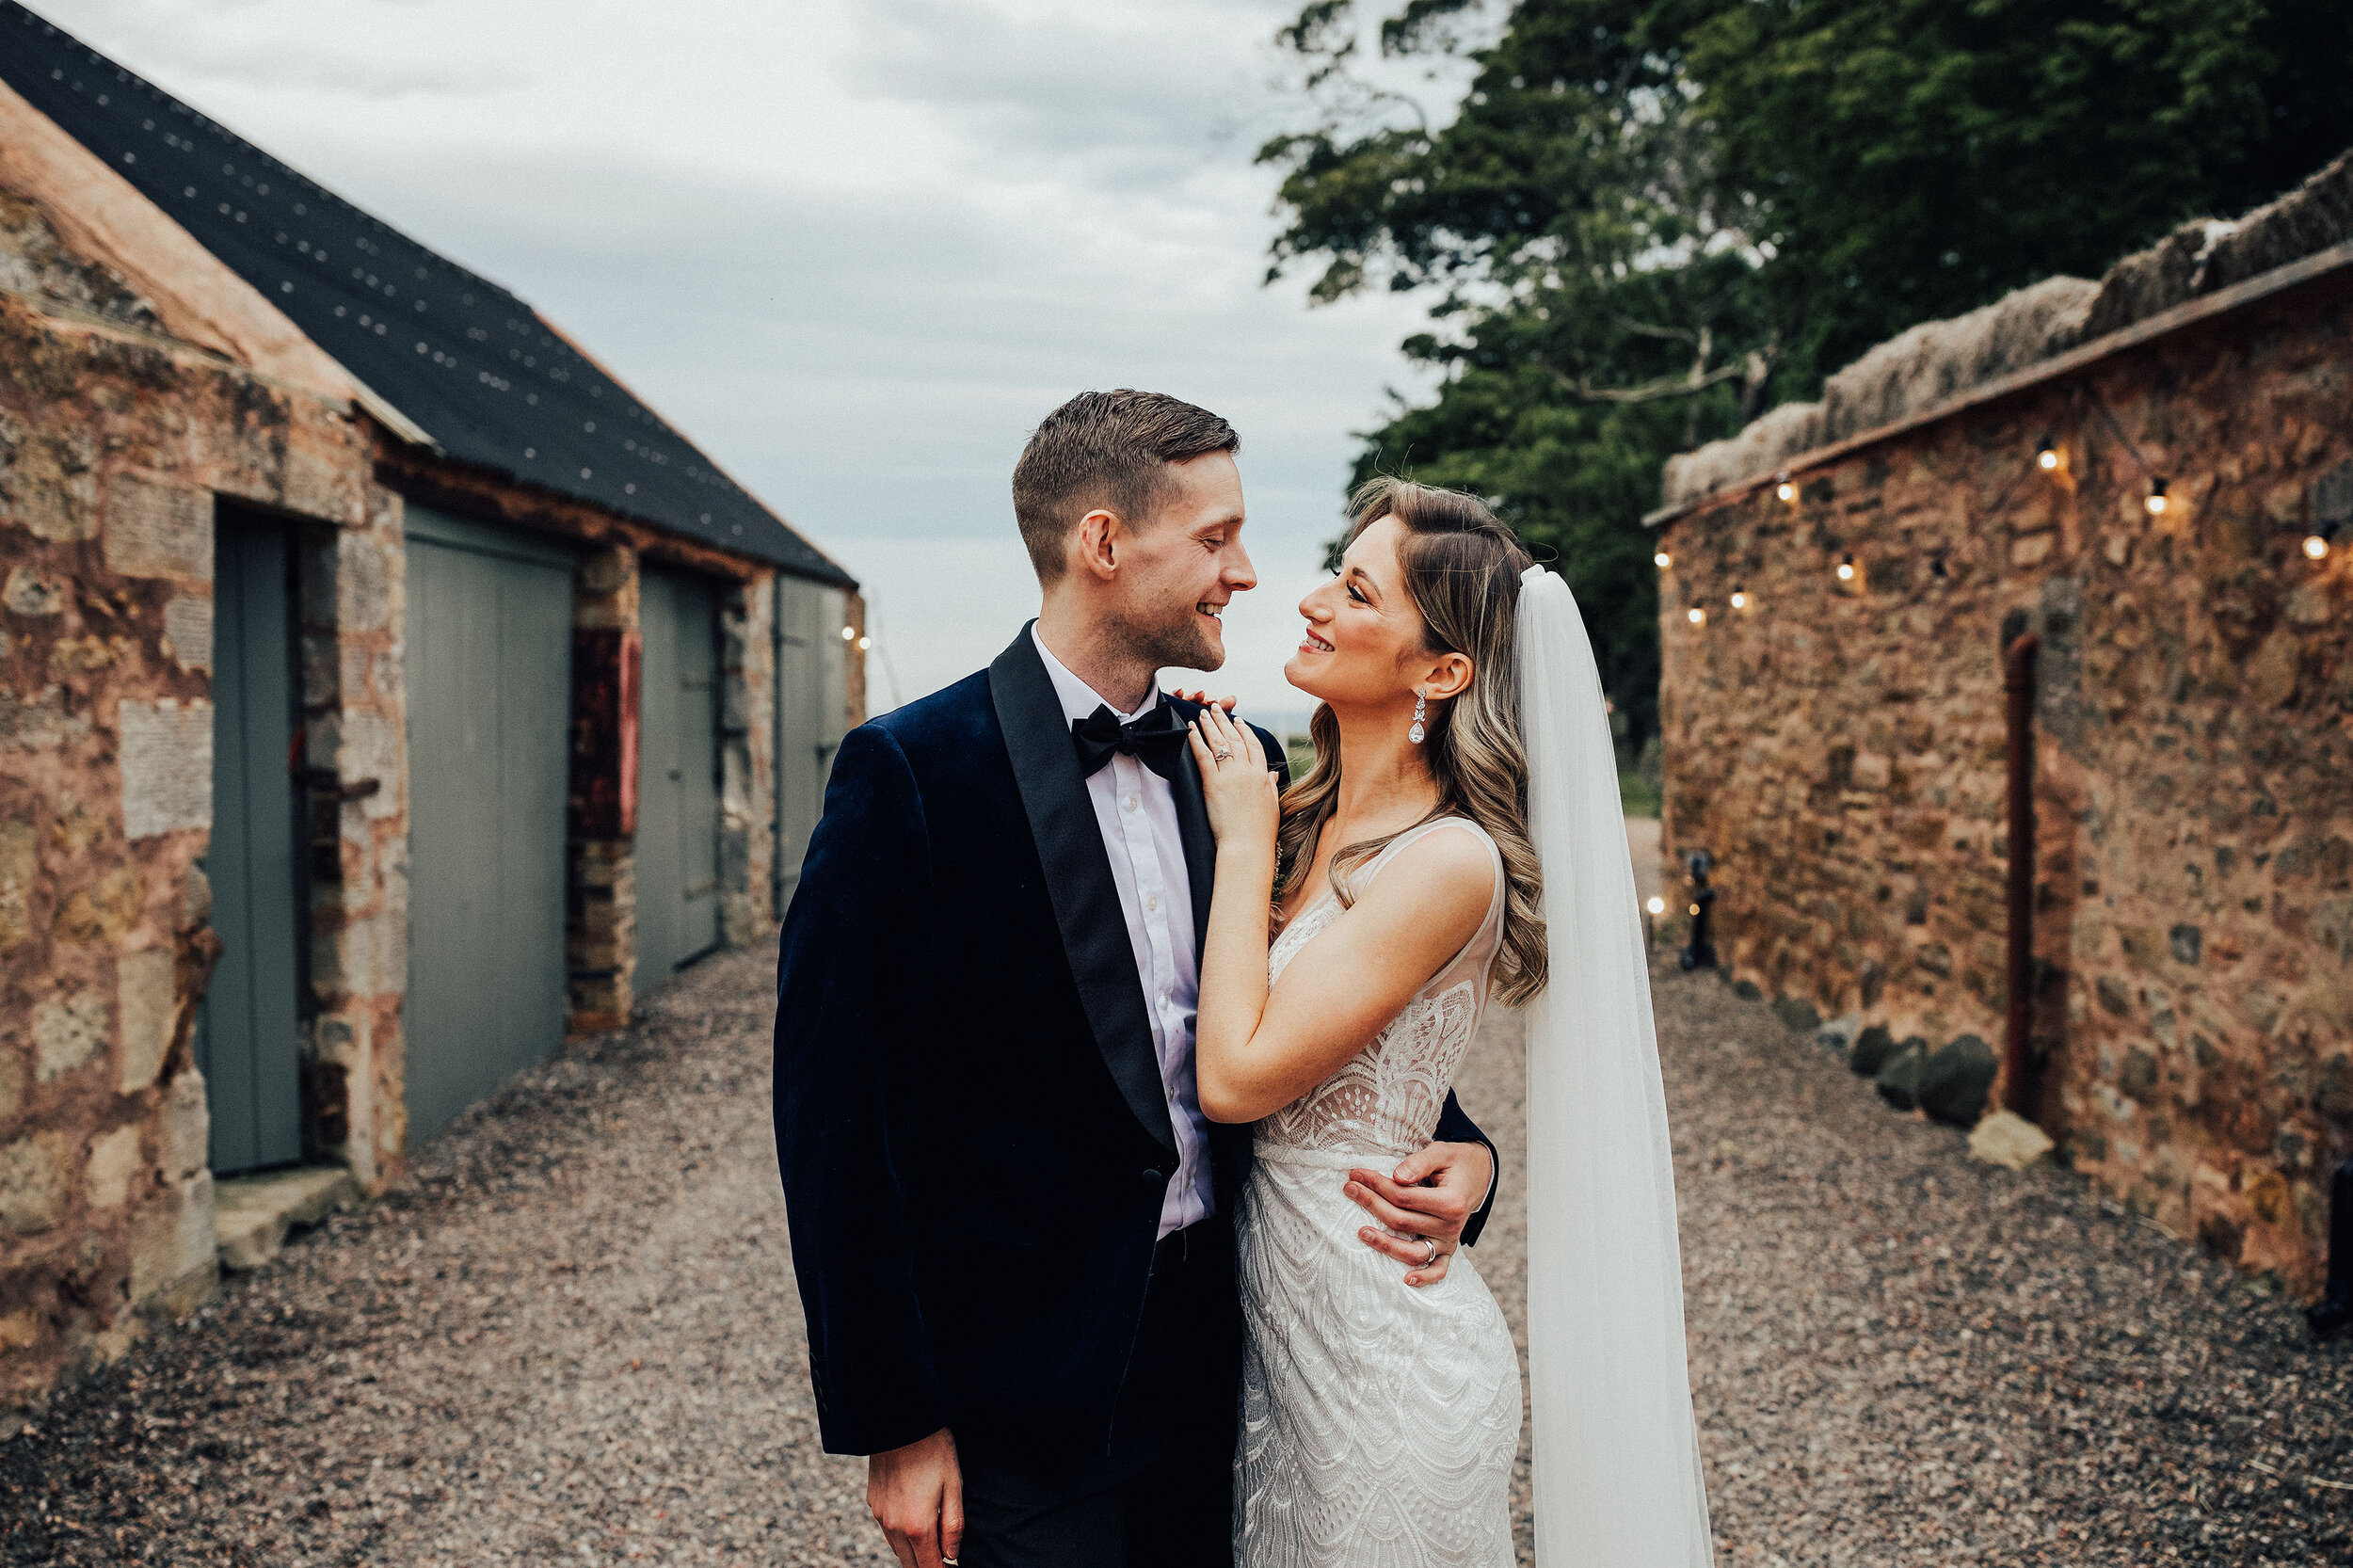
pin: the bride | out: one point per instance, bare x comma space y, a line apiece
1458, 839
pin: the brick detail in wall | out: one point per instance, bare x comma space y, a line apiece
600, 884
354, 704
748, 782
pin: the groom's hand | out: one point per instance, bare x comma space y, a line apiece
1432, 1193
916, 1494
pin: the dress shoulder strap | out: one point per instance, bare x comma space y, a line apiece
1479, 950
1416, 833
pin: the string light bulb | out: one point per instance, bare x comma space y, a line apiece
849, 633
1663, 559
2315, 546
1658, 905
1846, 568
2156, 502
2046, 457
1696, 616
1784, 491
865, 643
1739, 599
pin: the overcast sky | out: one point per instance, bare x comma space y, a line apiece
854, 249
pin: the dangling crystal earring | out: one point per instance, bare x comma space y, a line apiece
1416, 733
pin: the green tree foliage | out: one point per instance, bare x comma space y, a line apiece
1647, 219
1919, 158
1597, 299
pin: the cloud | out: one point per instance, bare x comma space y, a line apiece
854, 249
231, 43
1137, 66
1116, 95
332, 71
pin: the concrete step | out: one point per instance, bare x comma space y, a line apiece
252, 1215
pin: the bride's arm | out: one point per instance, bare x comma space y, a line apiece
1244, 810
1255, 1051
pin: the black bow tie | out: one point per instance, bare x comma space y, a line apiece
1157, 740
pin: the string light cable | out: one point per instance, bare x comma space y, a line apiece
2156, 500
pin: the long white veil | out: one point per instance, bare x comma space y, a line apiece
1617, 1466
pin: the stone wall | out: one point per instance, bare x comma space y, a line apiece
600, 888
356, 742
115, 437
600, 935
141, 384
853, 707
748, 776
1839, 747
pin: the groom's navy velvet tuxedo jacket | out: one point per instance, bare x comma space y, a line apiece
971, 1121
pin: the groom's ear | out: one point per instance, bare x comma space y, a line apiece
1095, 542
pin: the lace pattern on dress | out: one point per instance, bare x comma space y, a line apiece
1378, 1421
1388, 1098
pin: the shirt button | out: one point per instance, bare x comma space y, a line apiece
1128, 802
1152, 901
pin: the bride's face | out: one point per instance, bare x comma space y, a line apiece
1365, 645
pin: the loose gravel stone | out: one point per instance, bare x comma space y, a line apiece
573, 1334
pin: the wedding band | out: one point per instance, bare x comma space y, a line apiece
1432, 1242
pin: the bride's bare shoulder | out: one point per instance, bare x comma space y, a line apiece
1446, 876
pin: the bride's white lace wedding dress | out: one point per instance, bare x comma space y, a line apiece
1379, 1421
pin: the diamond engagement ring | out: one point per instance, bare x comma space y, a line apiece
1224, 752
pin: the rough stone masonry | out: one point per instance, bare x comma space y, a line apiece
1838, 740
121, 419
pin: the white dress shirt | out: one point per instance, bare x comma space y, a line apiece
1137, 812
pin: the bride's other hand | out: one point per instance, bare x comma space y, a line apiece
1241, 793
1203, 699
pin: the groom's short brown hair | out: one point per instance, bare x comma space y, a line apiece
1105, 449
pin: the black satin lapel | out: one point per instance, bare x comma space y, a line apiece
1079, 879
1193, 831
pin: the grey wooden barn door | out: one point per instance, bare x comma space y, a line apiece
249, 1034
677, 778
489, 636
810, 663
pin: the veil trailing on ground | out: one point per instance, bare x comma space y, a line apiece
1617, 1464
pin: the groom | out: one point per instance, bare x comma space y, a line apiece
1011, 1224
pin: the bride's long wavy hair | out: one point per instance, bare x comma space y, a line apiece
1463, 567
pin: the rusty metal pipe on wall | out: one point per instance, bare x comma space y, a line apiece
2018, 693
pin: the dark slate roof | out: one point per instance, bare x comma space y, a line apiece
474, 366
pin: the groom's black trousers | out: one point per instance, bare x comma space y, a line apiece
1162, 1495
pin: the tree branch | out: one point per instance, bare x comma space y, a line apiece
1680, 335
1649, 392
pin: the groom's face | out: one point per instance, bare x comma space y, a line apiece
1180, 570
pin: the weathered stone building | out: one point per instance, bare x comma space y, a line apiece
385, 691
2152, 474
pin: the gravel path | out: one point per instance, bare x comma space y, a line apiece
1904, 1357
573, 1336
